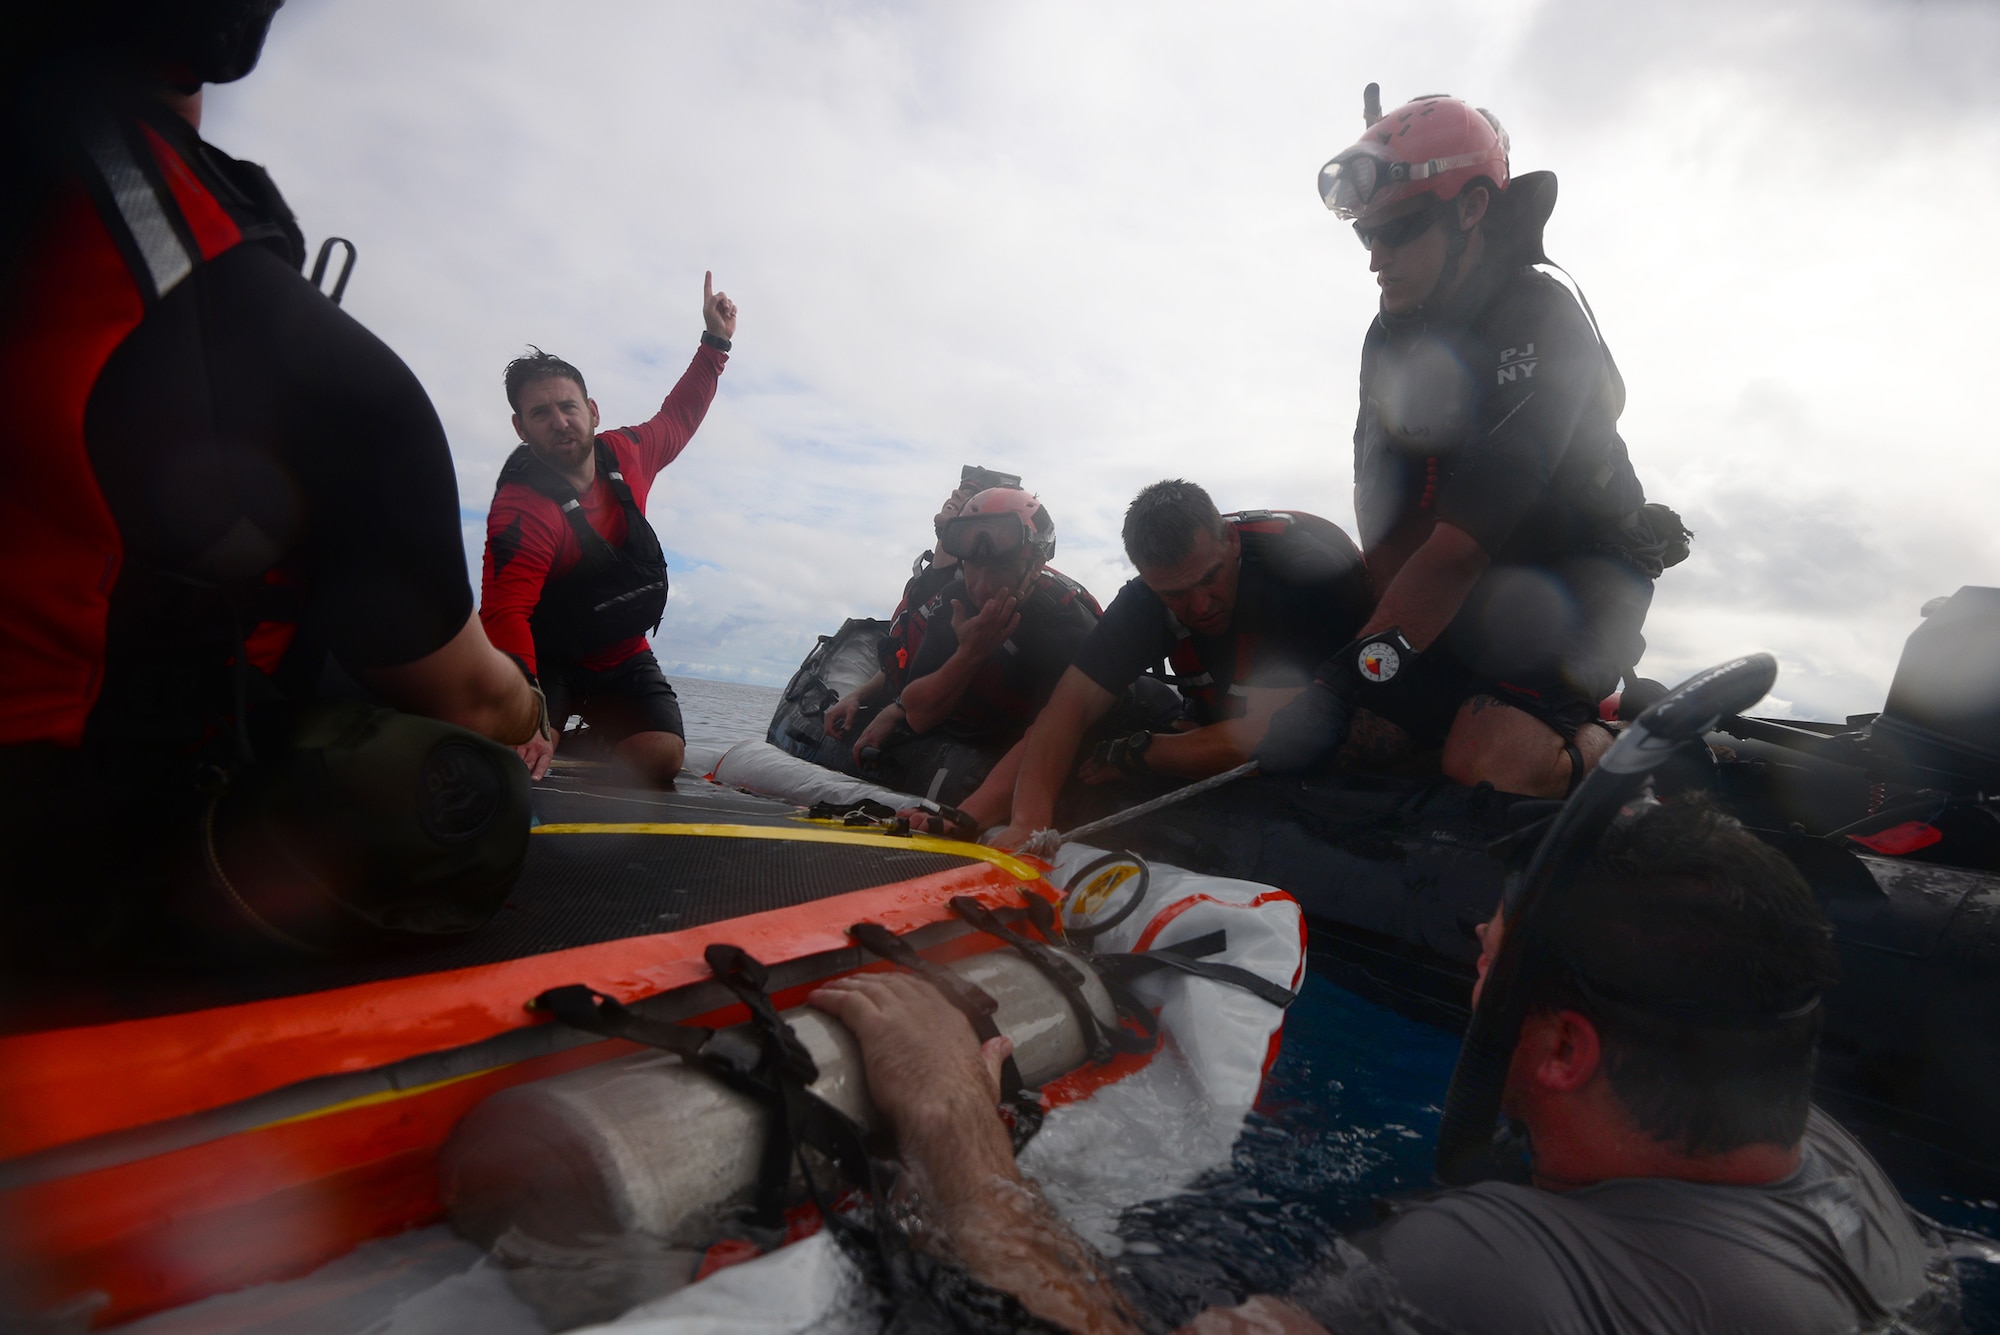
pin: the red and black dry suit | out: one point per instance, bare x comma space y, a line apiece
215, 478
571, 584
1301, 593
1496, 412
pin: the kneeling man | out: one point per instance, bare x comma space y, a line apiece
574, 575
1241, 607
1000, 637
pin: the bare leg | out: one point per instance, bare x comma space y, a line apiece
651, 758
1492, 742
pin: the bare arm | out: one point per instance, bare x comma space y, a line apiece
1050, 748
939, 1089
930, 700
878, 732
1431, 586
1198, 753
841, 714
468, 682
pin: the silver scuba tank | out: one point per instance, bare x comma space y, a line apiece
645, 1148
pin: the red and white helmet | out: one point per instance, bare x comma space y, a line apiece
1435, 145
997, 523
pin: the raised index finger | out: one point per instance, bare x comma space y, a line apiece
707, 286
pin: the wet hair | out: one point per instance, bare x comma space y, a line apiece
1698, 953
1163, 521
538, 365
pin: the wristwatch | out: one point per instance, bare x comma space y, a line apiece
1132, 757
1380, 658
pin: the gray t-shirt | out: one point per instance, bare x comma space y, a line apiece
1830, 1249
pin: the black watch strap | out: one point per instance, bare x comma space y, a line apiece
716, 341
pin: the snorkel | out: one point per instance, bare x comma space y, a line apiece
1469, 1146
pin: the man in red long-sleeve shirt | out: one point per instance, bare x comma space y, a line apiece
574, 576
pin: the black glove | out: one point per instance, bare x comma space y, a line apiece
1125, 754
1305, 733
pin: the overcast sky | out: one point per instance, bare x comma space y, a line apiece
1081, 242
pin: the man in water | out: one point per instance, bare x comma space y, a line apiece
1504, 527
574, 577
1243, 608
228, 495
999, 638
1681, 1179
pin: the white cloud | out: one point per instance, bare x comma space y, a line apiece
1081, 243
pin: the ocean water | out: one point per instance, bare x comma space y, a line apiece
717, 713
1347, 1118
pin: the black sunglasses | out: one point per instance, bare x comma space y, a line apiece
1399, 231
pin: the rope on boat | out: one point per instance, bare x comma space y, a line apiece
1044, 844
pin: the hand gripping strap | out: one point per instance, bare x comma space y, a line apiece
1104, 1041
882, 1251
775, 1069
1023, 1102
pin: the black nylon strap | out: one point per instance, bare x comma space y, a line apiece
1103, 1040
1126, 967
584, 1008
1023, 1101
775, 1070
745, 976
789, 1068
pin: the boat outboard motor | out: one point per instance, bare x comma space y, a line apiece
1467, 1149
1943, 711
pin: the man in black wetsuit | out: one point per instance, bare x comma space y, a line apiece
1504, 527
1000, 636
228, 494
1241, 607
908, 625
1682, 1182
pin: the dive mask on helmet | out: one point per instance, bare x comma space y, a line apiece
988, 537
1365, 176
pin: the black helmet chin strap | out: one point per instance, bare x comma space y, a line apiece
1456, 241
1455, 244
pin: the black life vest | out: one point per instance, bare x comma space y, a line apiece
1194, 679
612, 593
911, 619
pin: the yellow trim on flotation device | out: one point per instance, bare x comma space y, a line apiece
379, 1096
1007, 862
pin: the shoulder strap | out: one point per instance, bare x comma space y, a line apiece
614, 476
133, 200
524, 467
